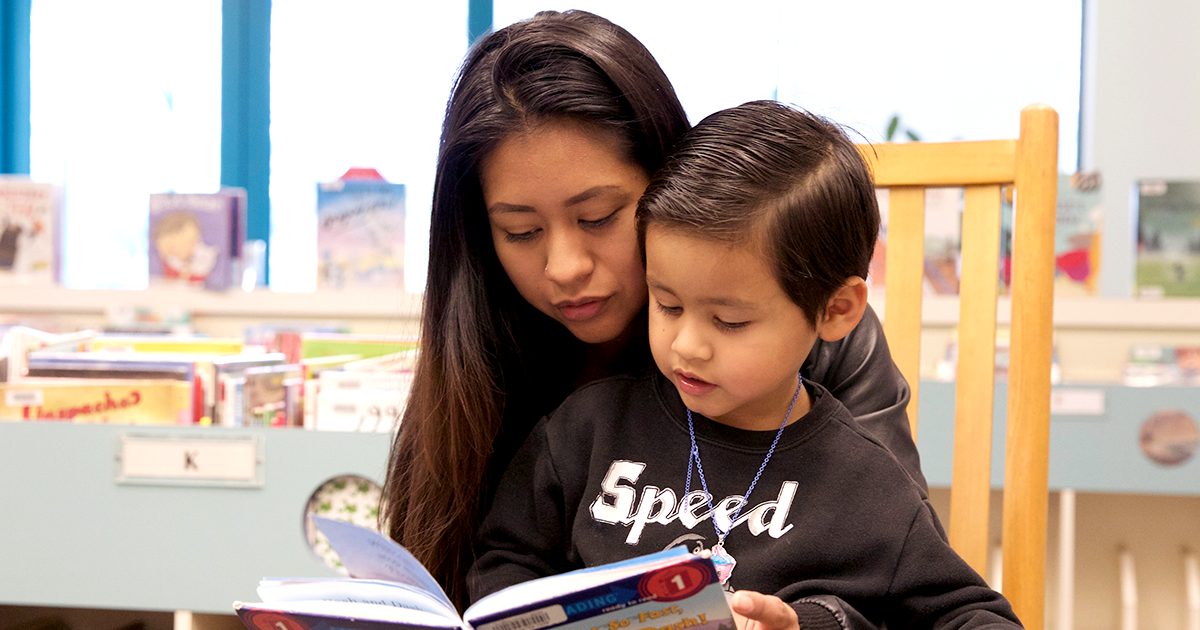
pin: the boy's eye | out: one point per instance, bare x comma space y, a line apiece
669, 310
518, 237
601, 222
724, 325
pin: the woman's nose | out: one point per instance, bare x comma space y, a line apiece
567, 260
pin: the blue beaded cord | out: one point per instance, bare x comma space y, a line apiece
694, 455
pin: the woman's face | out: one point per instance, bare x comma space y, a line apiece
561, 201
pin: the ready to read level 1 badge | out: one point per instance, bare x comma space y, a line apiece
675, 582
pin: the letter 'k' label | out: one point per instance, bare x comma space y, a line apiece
620, 502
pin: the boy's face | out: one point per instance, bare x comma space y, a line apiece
180, 243
723, 330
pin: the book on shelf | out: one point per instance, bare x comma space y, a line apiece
272, 396
321, 344
1078, 226
1153, 364
1168, 238
192, 239
360, 232
92, 400
361, 401
943, 241
30, 231
389, 589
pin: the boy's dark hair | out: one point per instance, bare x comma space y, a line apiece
765, 172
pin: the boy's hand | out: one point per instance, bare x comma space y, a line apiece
755, 611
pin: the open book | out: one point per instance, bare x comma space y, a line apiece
389, 589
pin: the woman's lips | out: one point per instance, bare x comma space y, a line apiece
578, 310
692, 385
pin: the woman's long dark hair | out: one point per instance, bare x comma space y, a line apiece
490, 364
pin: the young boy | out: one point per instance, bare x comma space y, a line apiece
757, 235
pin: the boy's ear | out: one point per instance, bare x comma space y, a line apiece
844, 310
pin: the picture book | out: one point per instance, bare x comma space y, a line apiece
943, 241
116, 401
272, 396
30, 225
1168, 238
389, 589
360, 233
1077, 235
191, 239
317, 344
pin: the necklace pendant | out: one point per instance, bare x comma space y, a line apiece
723, 562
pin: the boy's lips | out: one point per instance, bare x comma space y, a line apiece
692, 385
581, 309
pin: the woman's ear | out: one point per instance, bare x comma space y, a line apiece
844, 310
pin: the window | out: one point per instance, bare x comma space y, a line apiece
364, 85
950, 70
125, 100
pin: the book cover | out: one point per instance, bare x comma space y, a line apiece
1077, 235
317, 344
30, 231
389, 589
123, 401
360, 234
1168, 238
272, 396
191, 238
943, 241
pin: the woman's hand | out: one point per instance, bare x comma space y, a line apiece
755, 611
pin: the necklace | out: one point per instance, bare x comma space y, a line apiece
723, 561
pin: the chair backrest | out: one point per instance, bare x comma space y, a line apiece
1029, 164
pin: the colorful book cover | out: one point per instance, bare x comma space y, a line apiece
1077, 235
272, 396
1168, 238
390, 589
943, 241
360, 234
315, 344
121, 401
30, 227
191, 239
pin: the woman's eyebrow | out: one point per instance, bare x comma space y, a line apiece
503, 208
591, 193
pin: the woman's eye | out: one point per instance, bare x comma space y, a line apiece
518, 237
601, 222
724, 325
669, 310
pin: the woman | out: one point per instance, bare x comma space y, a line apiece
536, 283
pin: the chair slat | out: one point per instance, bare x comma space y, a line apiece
1027, 452
970, 491
942, 163
904, 271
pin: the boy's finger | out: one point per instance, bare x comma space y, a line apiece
770, 612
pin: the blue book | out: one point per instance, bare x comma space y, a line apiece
389, 589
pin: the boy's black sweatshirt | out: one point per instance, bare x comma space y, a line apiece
833, 521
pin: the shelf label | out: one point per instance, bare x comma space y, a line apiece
190, 460
1076, 402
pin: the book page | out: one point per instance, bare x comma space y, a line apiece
367, 554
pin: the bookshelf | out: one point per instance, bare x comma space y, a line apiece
191, 551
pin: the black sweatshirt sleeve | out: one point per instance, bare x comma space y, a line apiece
524, 535
858, 370
933, 587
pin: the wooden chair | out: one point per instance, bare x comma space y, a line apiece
1029, 164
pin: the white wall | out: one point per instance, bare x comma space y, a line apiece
1146, 120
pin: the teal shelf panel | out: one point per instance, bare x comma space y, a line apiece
74, 537
1088, 453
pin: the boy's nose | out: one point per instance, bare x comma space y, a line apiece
690, 345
